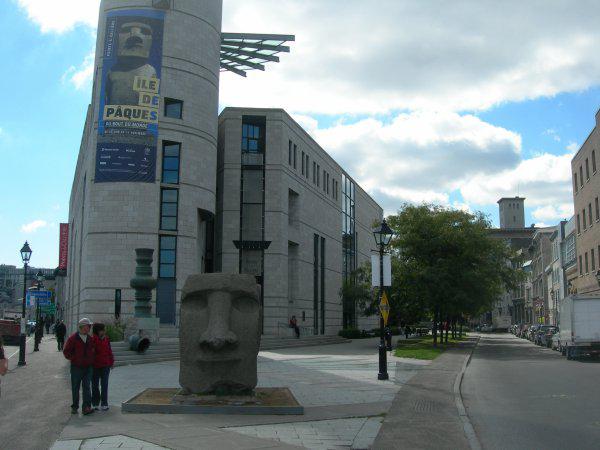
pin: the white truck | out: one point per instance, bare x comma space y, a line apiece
580, 326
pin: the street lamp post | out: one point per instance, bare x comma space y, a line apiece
25, 256
383, 235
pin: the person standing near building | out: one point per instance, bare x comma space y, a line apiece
103, 363
48, 323
3, 361
60, 331
79, 349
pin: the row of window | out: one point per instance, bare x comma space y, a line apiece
583, 259
585, 218
578, 182
329, 185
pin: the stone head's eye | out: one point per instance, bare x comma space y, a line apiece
244, 304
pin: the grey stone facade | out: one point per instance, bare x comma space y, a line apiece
109, 220
296, 210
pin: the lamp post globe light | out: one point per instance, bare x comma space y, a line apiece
383, 236
25, 256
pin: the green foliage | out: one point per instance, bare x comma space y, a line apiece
115, 332
350, 333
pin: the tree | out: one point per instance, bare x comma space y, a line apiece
445, 265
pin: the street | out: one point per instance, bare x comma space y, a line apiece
521, 396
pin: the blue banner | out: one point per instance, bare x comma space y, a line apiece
130, 97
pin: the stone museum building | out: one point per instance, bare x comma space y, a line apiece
246, 191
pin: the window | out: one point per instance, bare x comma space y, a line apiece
575, 182
314, 172
578, 224
593, 260
303, 162
173, 108
251, 138
594, 161
168, 209
583, 217
170, 162
590, 214
580, 266
318, 175
586, 263
295, 155
167, 256
587, 169
307, 166
328, 184
580, 176
290, 154
324, 181
597, 209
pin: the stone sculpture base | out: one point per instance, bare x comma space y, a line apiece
264, 401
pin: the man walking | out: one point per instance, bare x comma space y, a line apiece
60, 331
79, 349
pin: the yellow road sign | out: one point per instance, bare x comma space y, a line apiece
384, 308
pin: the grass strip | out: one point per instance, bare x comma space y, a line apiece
422, 348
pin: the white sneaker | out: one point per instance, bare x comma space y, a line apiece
105, 408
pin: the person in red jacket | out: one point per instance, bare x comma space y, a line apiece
79, 349
102, 365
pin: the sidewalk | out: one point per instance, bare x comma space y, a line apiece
424, 414
34, 407
337, 384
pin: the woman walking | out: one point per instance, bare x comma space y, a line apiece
102, 364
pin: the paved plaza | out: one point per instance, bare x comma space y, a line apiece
344, 404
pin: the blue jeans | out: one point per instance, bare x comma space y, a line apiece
100, 386
81, 378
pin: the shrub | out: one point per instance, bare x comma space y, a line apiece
350, 333
115, 332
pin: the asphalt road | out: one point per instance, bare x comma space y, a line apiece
521, 396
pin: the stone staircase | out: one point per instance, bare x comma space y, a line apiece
168, 347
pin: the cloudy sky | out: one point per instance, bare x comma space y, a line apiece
457, 103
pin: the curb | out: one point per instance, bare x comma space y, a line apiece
472, 438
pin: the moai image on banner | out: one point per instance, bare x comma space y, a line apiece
130, 97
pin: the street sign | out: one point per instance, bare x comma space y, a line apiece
50, 309
384, 308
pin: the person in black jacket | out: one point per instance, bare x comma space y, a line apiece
61, 332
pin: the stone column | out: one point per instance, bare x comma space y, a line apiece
144, 323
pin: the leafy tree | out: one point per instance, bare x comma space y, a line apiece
445, 266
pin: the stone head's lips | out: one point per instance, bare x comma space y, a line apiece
217, 359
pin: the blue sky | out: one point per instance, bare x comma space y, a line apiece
459, 112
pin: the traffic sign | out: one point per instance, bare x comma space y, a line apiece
384, 308
50, 309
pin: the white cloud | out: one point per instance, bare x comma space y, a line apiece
420, 156
573, 147
351, 57
552, 213
544, 180
59, 16
32, 227
81, 77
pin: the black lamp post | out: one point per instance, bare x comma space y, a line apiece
25, 256
383, 236
39, 326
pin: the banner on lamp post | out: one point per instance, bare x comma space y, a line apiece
376, 274
63, 252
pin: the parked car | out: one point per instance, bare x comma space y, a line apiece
545, 335
10, 330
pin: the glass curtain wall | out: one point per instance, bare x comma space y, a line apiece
348, 247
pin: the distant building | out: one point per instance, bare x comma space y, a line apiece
512, 213
586, 193
510, 307
542, 256
555, 273
569, 256
11, 282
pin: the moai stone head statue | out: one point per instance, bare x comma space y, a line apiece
219, 334
135, 40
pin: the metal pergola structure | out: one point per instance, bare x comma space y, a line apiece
241, 52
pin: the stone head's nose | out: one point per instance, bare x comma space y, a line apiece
218, 339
